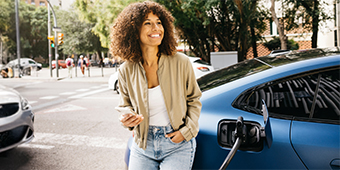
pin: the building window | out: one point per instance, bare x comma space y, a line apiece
42, 3
32, 3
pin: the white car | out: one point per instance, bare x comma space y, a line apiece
113, 82
200, 68
26, 62
16, 119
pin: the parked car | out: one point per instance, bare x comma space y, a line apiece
26, 65
26, 62
16, 119
61, 64
200, 68
301, 93
113, 82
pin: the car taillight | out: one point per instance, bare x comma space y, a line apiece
203, 68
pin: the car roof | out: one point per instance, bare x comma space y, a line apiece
266, 67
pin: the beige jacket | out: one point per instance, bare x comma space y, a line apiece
180, 90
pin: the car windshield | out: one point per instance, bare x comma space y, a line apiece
249, 67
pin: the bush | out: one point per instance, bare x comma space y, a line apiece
275, 44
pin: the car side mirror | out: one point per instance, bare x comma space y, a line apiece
254, 133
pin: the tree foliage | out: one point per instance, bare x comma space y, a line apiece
216, 24
275, 44
78, 35
101, 13
32, 25
311, 12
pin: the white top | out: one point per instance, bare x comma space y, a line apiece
70, 60
158, 115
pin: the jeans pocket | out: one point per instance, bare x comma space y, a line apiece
169, 139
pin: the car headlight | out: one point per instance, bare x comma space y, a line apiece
24, 104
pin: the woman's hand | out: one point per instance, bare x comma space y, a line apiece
132, 120
175, 137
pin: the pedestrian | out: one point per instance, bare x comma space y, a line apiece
82, 64
158, 85
69, 65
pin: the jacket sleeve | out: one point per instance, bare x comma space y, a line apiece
193, 94
124, 99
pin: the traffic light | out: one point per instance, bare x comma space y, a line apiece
60, 38
51, 38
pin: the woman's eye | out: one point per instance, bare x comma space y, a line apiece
147, 23
160, 23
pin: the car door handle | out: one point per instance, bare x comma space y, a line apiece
335, 164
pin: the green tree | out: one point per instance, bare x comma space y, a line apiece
312, 13
224, 25
33, 28
78, 35
101, 13
192, 25
275, 44
7, 25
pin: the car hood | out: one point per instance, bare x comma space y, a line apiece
8, 95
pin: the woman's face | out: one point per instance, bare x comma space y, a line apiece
152, 31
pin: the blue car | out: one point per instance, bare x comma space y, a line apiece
290, 111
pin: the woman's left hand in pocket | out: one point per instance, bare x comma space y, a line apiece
175, 137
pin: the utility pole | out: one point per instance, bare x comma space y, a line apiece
55, 40
2, 56
49, 42
18, 35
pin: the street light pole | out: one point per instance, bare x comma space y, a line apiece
18, 35
55, 40
49, 42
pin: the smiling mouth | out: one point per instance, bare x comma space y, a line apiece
155, 36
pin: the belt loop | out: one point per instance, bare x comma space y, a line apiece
164, 130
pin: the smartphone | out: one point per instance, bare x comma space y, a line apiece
124, 111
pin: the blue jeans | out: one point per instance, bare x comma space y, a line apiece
162, 153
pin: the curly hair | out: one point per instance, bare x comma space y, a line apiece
126, 27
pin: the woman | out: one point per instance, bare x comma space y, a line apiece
81, 64
158, 85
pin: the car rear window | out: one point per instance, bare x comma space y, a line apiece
249, 67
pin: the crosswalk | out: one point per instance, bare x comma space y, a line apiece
50, 140
75, 94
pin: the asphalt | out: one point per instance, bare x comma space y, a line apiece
95, 74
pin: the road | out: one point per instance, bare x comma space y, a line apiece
76, 126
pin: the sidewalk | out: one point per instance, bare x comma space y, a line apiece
96, 74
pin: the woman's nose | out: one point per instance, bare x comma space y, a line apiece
155, 26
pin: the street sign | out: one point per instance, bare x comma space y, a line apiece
56, 28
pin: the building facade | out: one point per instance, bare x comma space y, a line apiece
63, 4
327, 35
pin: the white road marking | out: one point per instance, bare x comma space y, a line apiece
66, 107
102, 98
105, 85
48, 97
95, 87
67, 93
79, 140
83, 90
88, 93
29, 145
31, 102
